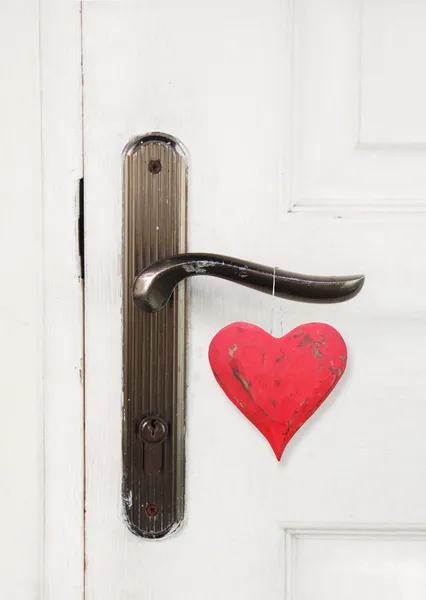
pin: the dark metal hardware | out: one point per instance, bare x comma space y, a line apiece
152, 510
154, 348
153, 431
154, 286
154, 220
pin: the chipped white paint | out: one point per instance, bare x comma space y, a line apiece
285, 133
129, 499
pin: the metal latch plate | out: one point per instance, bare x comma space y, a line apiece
154, 227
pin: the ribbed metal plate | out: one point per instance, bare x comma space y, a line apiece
155, 189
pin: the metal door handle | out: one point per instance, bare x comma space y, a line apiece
153, 287
154, 337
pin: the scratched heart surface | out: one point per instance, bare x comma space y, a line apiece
278, 383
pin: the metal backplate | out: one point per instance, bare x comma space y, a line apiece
155, 189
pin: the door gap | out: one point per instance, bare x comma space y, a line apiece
80, 227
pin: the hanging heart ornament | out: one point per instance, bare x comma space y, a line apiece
278, 383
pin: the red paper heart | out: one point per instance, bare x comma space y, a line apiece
278, 383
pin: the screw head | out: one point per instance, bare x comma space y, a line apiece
152, 510
153, 430
154, 166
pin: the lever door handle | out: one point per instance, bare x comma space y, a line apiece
155, 214
153, 287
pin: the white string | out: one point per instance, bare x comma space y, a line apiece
273, 303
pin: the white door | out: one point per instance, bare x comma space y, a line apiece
305, 123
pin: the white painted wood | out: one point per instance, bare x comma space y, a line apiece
60, 51
393, 93
21, 408
235, 82
41, 445
358, 85
356, 563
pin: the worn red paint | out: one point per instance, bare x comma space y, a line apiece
278, 383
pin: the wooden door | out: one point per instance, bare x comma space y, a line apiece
305, 124
306, 130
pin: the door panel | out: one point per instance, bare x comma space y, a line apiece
294, 162
358, 85
353, 563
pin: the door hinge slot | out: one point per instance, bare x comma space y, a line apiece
80, 226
